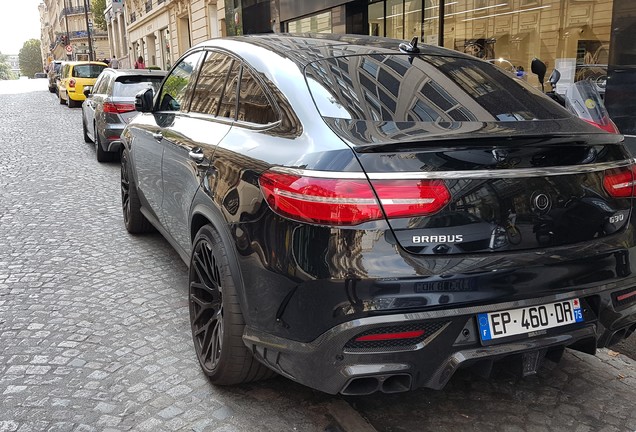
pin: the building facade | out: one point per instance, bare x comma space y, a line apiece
66, 26
160, 31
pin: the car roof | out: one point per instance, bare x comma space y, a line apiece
306, 48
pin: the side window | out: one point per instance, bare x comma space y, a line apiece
254, 107
173, 91
101, 84
228, 98
210, 84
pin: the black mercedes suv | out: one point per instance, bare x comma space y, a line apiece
362, 214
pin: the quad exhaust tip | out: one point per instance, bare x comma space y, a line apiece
367, 385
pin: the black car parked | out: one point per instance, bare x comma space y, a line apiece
110, 105
360, 214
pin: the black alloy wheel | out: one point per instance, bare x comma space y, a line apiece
215, 315
134, 220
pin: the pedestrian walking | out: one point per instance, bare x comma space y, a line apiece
114, 63
139, 64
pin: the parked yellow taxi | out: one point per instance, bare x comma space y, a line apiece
74, 76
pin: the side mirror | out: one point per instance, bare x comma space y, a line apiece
143, 100
88, 91
538, 68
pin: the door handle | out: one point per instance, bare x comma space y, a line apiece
196, 155
158, 136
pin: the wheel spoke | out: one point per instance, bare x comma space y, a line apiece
206, 305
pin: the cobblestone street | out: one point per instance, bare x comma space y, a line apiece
94, 330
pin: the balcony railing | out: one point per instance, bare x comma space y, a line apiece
133, 17
148, 5
76, 10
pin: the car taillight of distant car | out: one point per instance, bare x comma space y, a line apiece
118, 108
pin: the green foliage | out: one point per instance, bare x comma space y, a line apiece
5, 69
30, 58
97, 8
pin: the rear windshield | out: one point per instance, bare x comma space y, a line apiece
87, 71
129, 86
390, 88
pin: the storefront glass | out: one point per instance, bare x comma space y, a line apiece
319, 23
376, 19
569, 35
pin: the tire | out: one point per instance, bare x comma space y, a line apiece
73, 103
62, 101
85, 130
52, 89
215, 315
100, 154
134, 221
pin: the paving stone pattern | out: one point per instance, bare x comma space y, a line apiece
94, 331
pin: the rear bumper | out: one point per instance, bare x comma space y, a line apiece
452, 342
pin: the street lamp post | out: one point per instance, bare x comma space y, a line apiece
68, 36
88, 31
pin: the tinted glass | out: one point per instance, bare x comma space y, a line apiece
173, 92
129, 86
228, 99
430, 89
101, 84
253, 104
210, 84
87, 71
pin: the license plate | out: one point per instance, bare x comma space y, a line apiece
513, 322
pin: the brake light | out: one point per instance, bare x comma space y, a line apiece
71, 83
408, 198
118, 108
619, 182
350, 201
605, 124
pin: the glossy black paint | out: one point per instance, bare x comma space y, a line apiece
307, 289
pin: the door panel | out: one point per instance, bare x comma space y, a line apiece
189, 147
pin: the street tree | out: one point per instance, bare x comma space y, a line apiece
97, 9
5, 68
30, 58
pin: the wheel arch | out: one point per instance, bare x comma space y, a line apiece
204, 212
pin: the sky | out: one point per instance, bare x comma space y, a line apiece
19, 22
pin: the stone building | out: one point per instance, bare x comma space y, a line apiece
65, 31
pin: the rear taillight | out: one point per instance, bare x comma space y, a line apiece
605, 124
619, 182
118, 108
71, 83
350, 201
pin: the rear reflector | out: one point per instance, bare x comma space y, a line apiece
390, 336
118, 108
619, 182
350, 201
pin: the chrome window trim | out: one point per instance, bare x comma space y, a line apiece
456, 175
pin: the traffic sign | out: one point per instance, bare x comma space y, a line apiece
69, 49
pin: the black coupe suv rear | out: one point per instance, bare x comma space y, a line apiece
359, 217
